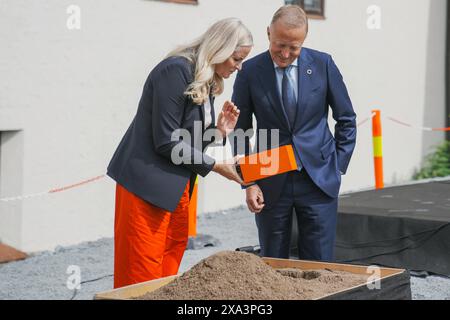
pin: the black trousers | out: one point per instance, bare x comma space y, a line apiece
316, 218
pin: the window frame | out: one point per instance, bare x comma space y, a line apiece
311, 14
192, 2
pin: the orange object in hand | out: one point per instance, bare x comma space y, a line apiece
267, 163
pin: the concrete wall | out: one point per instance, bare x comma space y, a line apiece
73, 93
11, 179
433, 110
399, 69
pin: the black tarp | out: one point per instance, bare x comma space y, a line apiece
395, 287
402, 227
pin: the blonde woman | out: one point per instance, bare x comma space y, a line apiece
155, 173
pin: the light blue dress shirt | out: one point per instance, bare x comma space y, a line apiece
293, 77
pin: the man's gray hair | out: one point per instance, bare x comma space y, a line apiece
292, 16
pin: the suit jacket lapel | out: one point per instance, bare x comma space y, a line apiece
268, 80
306, 76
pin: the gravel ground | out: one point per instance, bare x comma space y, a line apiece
48, 275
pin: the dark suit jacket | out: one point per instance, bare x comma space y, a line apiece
142, 162
320, 87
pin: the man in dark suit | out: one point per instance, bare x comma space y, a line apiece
291, 89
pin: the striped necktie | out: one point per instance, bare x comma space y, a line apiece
288, 96
290, 104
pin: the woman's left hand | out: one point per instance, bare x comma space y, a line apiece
227, 118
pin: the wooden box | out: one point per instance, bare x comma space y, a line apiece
394, 283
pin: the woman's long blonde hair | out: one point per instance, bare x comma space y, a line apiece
215, 46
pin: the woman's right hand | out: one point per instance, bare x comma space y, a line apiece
227, 118
228, 170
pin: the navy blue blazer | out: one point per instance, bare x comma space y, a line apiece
320, 86
142, 163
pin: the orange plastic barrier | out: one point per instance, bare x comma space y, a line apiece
377, 149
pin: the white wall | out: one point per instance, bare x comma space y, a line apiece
11, 179
74, 93
399, 69
433, 111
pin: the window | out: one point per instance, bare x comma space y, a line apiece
11, 179
181, 1
314, 8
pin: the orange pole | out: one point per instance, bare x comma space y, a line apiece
193, 211
377, 149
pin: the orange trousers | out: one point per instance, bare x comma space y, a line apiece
149, 242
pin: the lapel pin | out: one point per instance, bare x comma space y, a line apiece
309, 71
